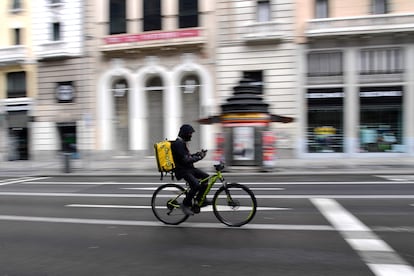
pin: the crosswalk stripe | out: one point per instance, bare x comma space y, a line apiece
368, 246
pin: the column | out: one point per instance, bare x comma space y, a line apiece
351, 105
408, 99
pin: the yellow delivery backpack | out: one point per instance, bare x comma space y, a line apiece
165, 159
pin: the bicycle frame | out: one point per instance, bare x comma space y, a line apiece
211, 181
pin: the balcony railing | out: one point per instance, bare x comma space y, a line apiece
262, 32
157, 39
370, 24
13, 54
53, 50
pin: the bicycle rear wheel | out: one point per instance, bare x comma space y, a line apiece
165, 204
234, 204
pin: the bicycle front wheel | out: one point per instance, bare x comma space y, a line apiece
234, 204
165, 204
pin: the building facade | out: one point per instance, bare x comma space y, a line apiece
65, 99
115, 76
18, 76
256, 40
357, 77
155, 71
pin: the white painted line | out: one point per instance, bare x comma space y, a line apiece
205, 209
369, 245
335, 196
344, 222
329, 183
21, 180
159, 224
213, 189
75, 195
391, 270
257, 196
341, 219
32, 182
109, 206
92, 183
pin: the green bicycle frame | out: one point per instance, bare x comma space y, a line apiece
211, 181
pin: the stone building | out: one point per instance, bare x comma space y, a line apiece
356, 77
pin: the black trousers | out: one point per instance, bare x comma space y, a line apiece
193, 177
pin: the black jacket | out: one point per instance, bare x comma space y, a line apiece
183, 159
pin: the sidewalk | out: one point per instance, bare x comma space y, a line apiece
146, 166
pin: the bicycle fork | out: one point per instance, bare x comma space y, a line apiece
230, 201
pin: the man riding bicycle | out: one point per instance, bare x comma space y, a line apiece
184, 167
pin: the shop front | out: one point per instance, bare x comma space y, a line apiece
325, 120
381, 119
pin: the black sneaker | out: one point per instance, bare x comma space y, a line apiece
186, 210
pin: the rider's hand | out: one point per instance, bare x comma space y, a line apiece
202, 153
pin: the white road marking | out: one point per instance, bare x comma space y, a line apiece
34, 194
205, 209
32, 182
391, 270
368, 248
21, 180
159, 224
213, 189
109, 206
399, 177
369, 245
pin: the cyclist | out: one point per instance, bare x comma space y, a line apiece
184, 167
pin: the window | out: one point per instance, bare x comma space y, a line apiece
17, 34
324, 64
56, 35
379, 6
117, 17
325, 120
16, 4
152, 15
321, 9
255, 76
381, 61
16, 85
263, 11
188, 14
381, 119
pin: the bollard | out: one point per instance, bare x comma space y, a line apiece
66, 162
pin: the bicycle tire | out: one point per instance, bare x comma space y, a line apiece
234, 204
165, 204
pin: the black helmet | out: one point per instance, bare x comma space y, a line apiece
186, 131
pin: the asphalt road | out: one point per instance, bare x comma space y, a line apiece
306, 225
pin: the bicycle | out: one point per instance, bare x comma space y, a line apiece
233, 204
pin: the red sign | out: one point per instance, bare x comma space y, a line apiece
128, 38
269, 148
